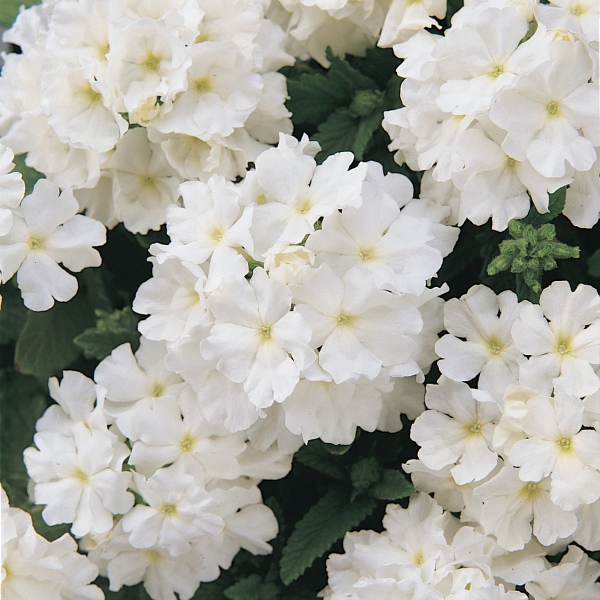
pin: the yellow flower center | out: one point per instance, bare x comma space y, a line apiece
344, 319
552, 108
35, 243
475, 428
577, 10
562, 348
201, 85
366, 254
158, 390
168, 509
152, 62
565, 444
304, 207
79, 474
497, 71
187, 443
265, 331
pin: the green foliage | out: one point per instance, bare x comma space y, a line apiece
317, 456
531, 251
342, 107
12, 316
594, 264
111, 330
556, 204
393, 485
252, 588
9, 9
30, 176
323, 525
45, 346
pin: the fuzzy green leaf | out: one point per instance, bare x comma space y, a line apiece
313, 97
323, 525
252, 588
112, 329
316, 456
393, 485
344, 132
343, 75
45, 346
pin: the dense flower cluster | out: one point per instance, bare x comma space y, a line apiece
125, 100
503, 107
294, 299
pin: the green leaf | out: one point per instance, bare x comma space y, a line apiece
30, 176
45, 346
593, 265
337, 134
556, 205
316, 456
252, 588
112, 329
343, 75
12, 316
323, 525
366, 128
313, 97
9, 9
393, 485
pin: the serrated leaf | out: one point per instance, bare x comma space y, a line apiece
252, 588
316, 456
393, 485
45, 346
30, 176
313, 97
344, 75
556, 205
337, 133
323, 525
111, 330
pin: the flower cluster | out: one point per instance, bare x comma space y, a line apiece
32, 567
335, 314
502, 108
38, 232
196, 502
426, 553
124, 100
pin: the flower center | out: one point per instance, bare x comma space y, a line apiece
92, 94
168, 509
418, 559
475, 428
83, 477
35, 243
187, 443
304, 207
552, 107
562, 348
344, 319
497, 71
148, 180
577, 10
265, 331
152, 62
158, 390
366, 254
201, 85
565, 444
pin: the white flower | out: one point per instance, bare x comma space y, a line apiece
485, 321
254, 335
144, 182
296, 192
456, 430
557, 446
83, 483
546, 111
566, 348
404, 18
510, 505
178, 511
358, 327
47, 230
